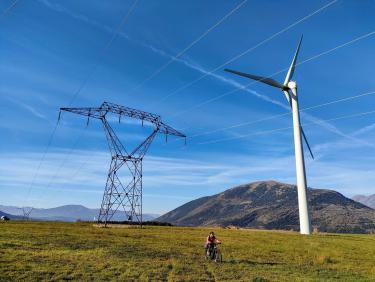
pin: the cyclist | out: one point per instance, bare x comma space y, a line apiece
211, 241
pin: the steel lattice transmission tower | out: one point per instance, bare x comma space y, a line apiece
26, 212
119, 195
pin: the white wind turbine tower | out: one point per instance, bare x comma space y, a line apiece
289, 89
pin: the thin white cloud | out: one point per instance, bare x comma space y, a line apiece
62, 9
365, 129
326, 125
159, 196
179, 173
189, 63
197, 67
345, 144
190, 173
33, 111
30, 109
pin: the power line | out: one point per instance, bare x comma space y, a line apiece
247, 51
194, 42
67, 155
199, 38
238, 125
250, 134
337, 47
7, 10
276, 73
273, 130
165, 65
284, 128
40, 163
106, 47
281, 115
74, 175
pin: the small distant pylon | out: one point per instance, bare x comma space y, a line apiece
26, 213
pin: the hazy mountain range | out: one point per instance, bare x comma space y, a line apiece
273, 205
263, 204
9, 215
65, 213
366, 200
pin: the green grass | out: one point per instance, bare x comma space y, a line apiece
36, 251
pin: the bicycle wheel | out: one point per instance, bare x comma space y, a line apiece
219, 257
207, 253
213, 254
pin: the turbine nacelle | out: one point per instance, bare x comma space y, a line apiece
284, 87
292, 85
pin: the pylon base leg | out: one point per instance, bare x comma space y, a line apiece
123, 198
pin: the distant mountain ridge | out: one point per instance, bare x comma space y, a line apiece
68, 213
273, 205
366, 200
10, 216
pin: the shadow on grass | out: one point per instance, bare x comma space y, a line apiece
251, 262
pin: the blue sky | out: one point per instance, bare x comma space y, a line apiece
49, 48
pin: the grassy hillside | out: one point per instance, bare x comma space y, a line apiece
274, 205
64, 251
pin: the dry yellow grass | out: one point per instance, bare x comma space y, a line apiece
42, 251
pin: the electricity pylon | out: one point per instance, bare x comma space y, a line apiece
26, 212
116, 194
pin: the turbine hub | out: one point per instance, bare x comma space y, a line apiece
292, 84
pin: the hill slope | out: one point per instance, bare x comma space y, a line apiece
273, 205
366, 200
4, 214
10, 216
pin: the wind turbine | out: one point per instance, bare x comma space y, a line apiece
289, 88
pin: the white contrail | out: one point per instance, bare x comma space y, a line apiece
281, 115
276, 73
187, 48
7, 10
114, 36
289, 127
248, 50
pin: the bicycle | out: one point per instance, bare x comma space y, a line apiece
213, 252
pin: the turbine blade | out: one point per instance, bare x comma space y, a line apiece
307, 143
286, 93
290, 73
287, 97
265, 80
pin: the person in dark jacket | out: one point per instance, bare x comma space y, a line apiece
211, 241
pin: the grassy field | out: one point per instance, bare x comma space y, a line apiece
36, 251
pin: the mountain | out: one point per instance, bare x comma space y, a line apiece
10, 216
366, 200
68, 213
273, 205
4, 214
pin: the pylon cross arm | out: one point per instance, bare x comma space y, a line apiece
166, 129
129, 112
89, 112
